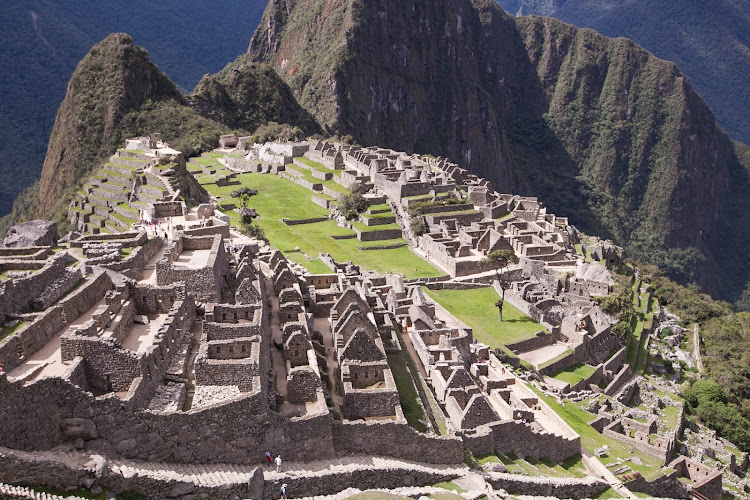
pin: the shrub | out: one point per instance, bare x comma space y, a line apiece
417, 226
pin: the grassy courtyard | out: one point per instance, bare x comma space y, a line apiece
477, 309
279, 198
575, 373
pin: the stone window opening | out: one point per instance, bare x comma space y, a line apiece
231, 350
243, 348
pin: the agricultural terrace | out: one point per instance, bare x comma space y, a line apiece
279, 198
477, 309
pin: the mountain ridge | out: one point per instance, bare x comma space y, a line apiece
534, 104
599, 129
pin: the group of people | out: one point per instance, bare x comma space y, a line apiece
270, 461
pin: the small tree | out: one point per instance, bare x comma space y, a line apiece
353, 203
244, 193
499, 260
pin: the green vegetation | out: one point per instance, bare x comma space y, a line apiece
710, 403
6, 330
578, 418
279, 198
575, 373
352, 203
477, 309
407, 393
450, 485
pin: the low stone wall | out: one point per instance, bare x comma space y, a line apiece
382, 247
128, 239
311, 220
312, 186
516, 437
664, 454
556, 487
380, 234
532, 344
577, 356
365, 478
138, 259
222, 229
323, 202
594, 378
378, 221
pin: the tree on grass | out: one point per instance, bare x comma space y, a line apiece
244, 193
499, 260
353, 203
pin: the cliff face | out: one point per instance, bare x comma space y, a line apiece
598, 128
115, 78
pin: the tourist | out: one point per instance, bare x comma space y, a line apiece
278, 463
282, 492
269, 460
2, 369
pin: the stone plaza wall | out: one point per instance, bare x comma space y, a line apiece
395, 440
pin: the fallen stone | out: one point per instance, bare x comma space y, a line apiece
140, 318
181, 489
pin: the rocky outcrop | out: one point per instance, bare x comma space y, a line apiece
115, 78
30, 234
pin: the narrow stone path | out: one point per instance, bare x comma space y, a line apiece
697, 348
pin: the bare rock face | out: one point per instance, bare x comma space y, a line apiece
32, 233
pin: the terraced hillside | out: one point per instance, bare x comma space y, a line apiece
111, 200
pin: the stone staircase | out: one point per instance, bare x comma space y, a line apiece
10, 492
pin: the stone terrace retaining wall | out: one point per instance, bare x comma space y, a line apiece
557, 487
329, 483
396, 440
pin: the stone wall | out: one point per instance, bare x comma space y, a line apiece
516, 437
577, 356
614, 364
396, 440
556, 487
379, 234
664, 454
536, 342
18, 295
303, 385
208, 282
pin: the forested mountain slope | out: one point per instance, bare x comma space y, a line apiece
41, 41
709, 42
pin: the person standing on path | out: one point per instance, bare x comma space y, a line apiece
282, 492
269, 460
278, 463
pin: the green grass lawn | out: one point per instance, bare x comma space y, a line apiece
314, 265
575, 373
279, 198
410, 401
671, 414
477, 309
